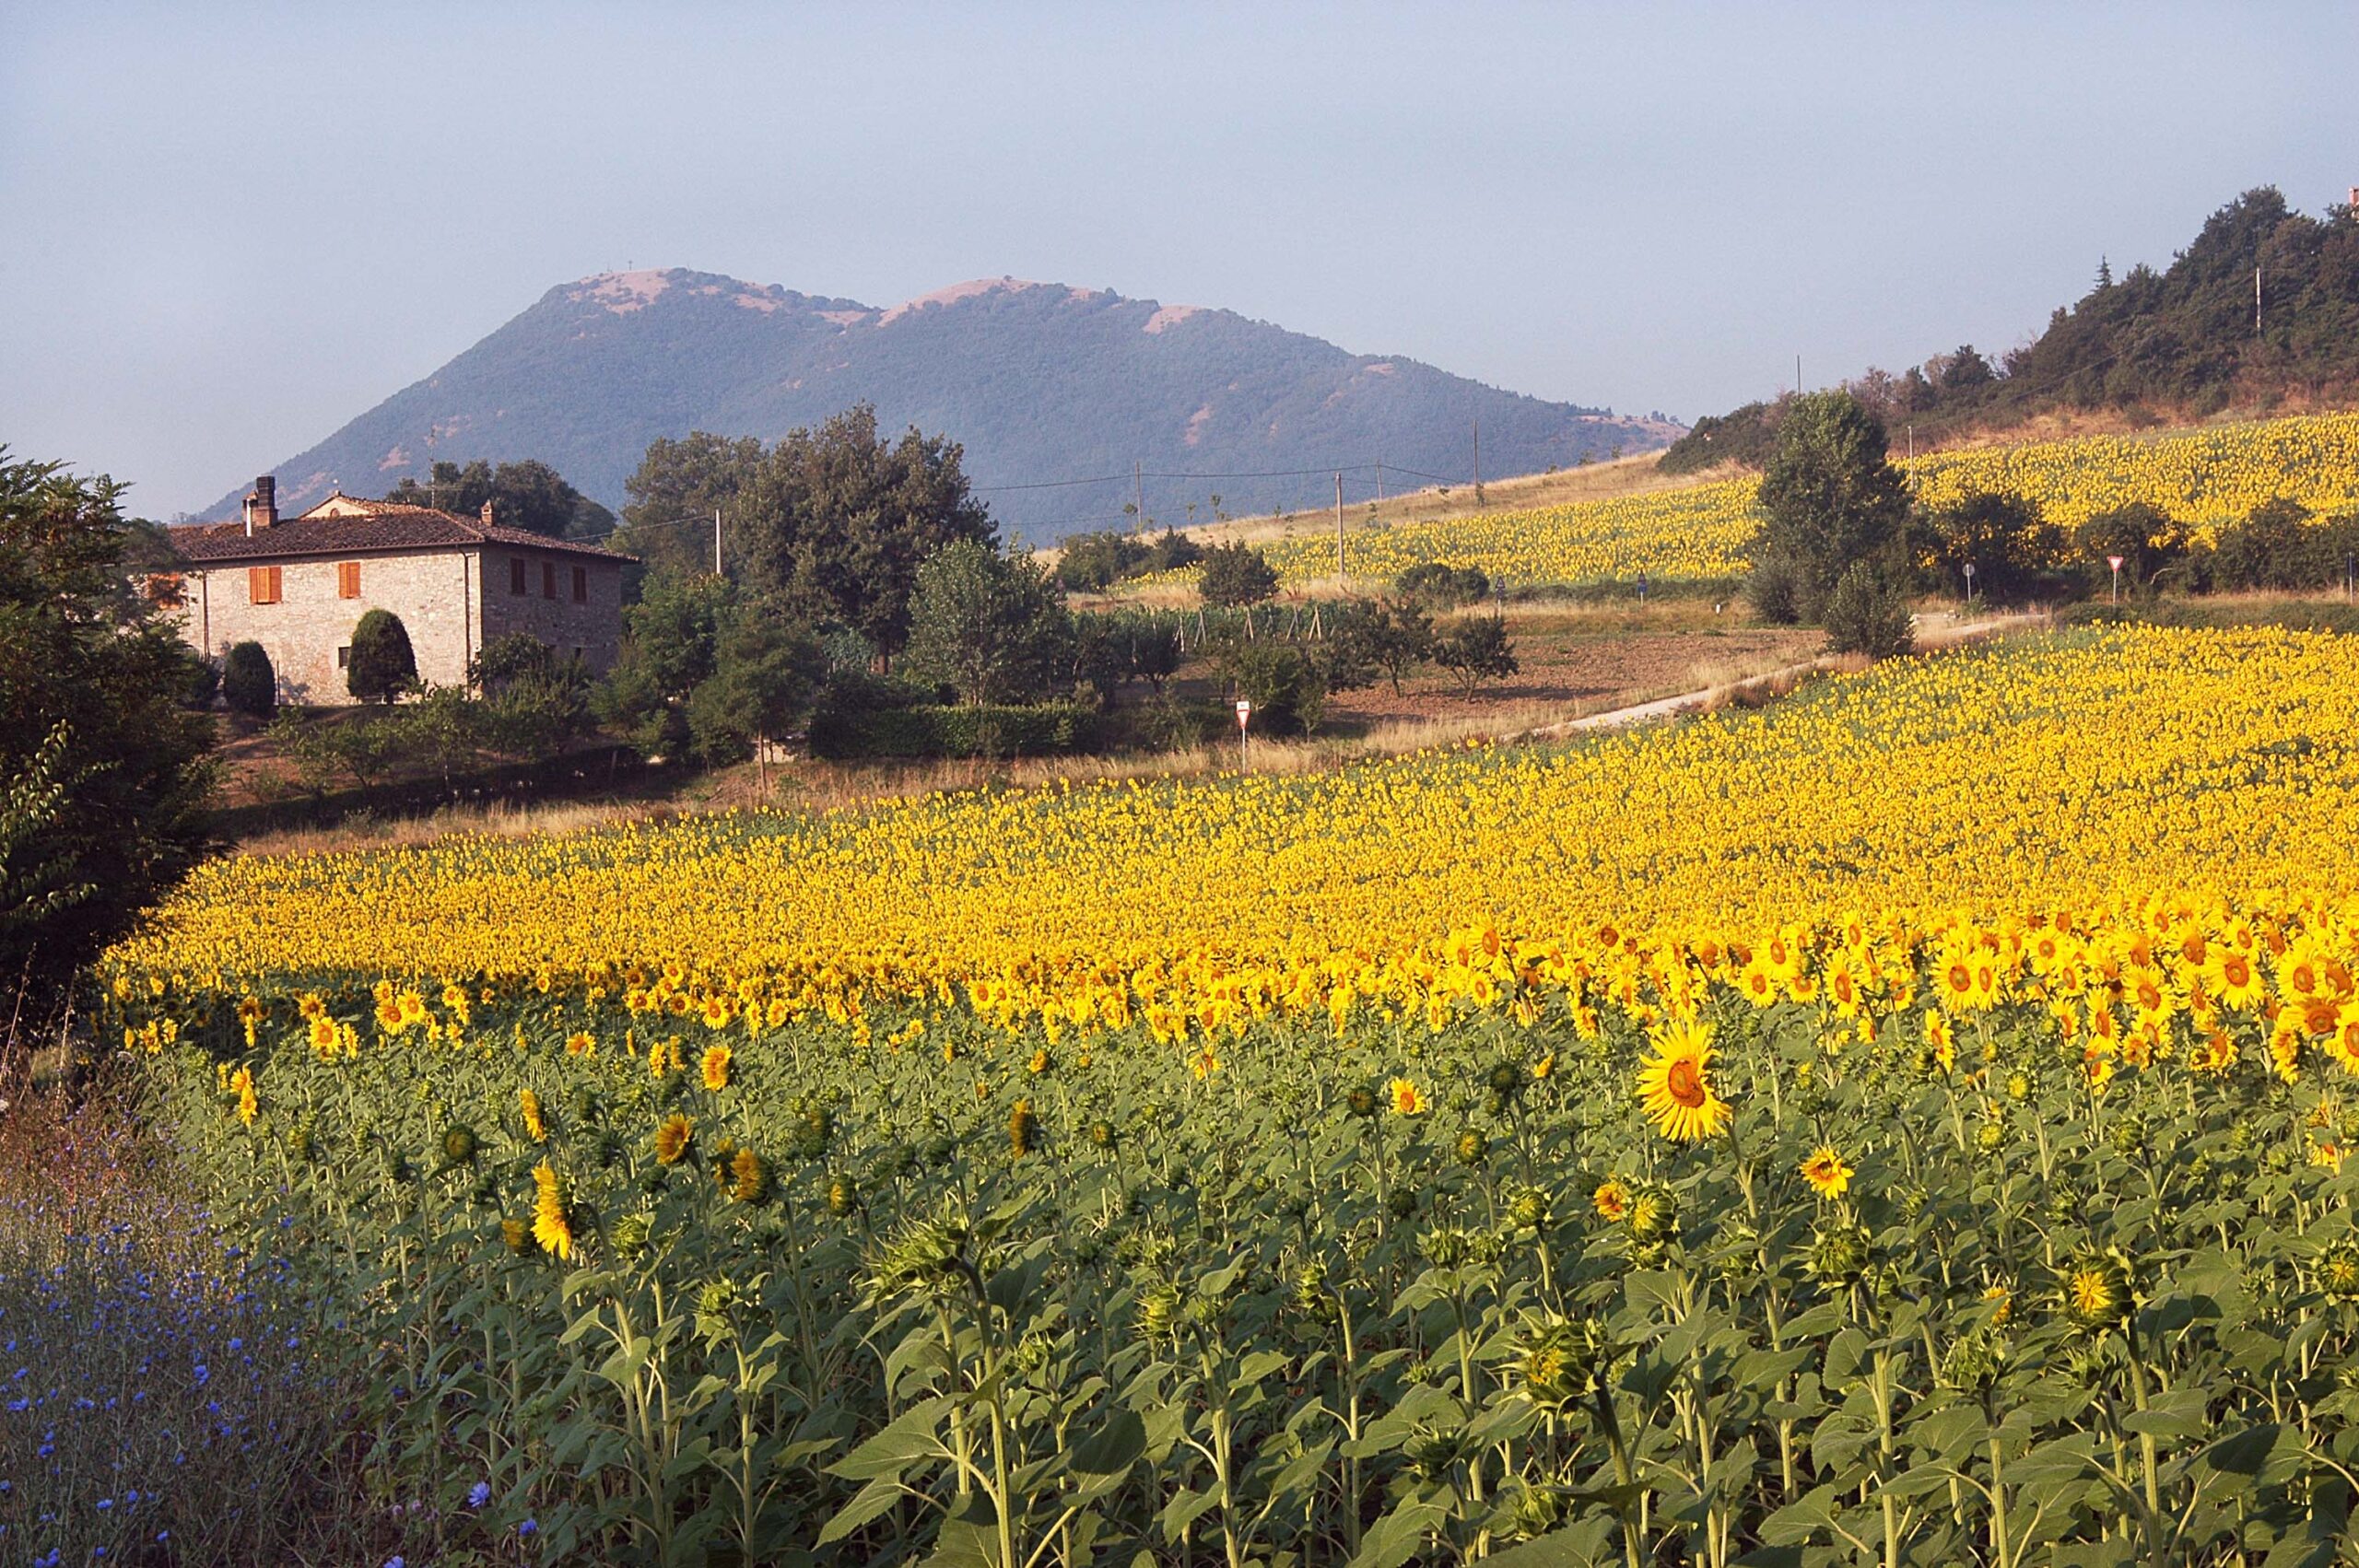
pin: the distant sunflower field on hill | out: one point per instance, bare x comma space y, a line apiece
2204, 477
1907, 1124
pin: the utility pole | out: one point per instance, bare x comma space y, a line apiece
1478, 460
1798, 374
1138, 497
716, 543
1379, 482
1339, 526
2256, 301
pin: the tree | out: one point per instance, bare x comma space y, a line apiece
991, 627
1095, 562
2004, 538
1829, 496
842, 522
765, 679
831, 524
248, 683
1393, 637
1155, 655
1174, 551
1236, 573
671, 646
1285, 686
1964, 371
1102, 653
1476, 650
529, 495
2147, 540
106, 776
1868, 612
381, 663
2270, 547
531, 703
678, 487
442, 729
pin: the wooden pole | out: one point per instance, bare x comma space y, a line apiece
1339, 525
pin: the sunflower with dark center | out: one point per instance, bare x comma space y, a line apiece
1675, 1084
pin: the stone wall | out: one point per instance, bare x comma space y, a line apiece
432, 591
595, 626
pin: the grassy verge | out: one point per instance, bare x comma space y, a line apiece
171, 1397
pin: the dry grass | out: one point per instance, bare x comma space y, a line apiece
498, 820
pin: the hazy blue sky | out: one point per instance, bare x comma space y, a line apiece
225, 230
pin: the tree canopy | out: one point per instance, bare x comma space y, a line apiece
830, 523
107, 778
1236, 574
991, 627
1828, 497
381, 660
529, 495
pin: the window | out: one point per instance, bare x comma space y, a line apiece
262, 585
582, 585
348, 579
516, 575
344, 656
548, 579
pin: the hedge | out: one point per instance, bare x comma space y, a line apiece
929, 730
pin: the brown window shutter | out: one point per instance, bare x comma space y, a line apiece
548, 579
582, 585
348, 579
516, 574
262, 585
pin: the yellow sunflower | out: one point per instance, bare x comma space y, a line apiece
1828, 1175
1675, 1084
241, 1083
550, 1226
529, 1104
716, 1068
1612, 1200
1407, 1099
674, 1136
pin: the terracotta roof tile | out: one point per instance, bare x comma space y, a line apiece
382, 525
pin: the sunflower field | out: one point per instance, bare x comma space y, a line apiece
1905, 1125
2205, 477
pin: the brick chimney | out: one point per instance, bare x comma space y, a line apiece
261, 504
487, 513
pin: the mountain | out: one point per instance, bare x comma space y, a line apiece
1040, 382
2173, 345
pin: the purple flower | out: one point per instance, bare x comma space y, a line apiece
479, 1494
528, 1526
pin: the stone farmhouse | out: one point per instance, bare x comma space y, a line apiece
299, 586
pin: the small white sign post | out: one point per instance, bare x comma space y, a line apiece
1244, 713
1969, 585
2114, 562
